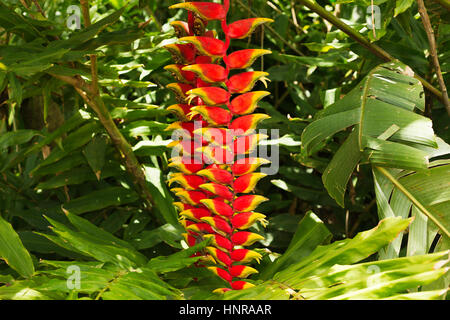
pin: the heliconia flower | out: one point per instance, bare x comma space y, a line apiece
219, 241
245, 220
210, 95
180, 110
241, 271
240, 285
221, 290
185, 147
186, 224
183, 206
215, 116
245, 238
208, 72
180, 90
218, 207
246, 124
215, 136
188, 182
245, 255
186, 129
176, 190
245, 81
186, 165
219, 224
220, 256
244, 58
181, 28
199, 26
208, 46
218, 189
191, 197
247, 165
195, 214
217, 175
206, 10
221, 273
181, 53
246, 144
179, 74
189, 239
201, 227
203, 60
247, 182
247, 102
248, 202
217, 154
206, 259
243, 28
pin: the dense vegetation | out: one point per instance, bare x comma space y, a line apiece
359, 208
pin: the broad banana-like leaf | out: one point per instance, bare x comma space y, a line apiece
428, 201
386, 130
333, 272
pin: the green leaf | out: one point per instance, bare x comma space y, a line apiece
310, 233
16, 88
385, 127
113, 196
17, 137
428, 191
95, 154
339, 170
13, 251
142, 284
346, 251
402, 6
92, 242
167, 233
73, 141
177, 260
161, 195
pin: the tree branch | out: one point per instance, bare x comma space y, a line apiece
433, 52
92, 57
376, 50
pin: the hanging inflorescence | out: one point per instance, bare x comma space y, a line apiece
215, 162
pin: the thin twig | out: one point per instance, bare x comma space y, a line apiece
433, 52
293, 21
92, 57
376, 50
38, 6
271, 29
444, 3
153, 17
373, 20
25, 4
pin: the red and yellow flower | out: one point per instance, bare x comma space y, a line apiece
216, 172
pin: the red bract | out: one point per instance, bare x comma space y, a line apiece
216, 172
243, 28
244, 58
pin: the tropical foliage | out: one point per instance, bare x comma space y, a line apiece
358, 209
